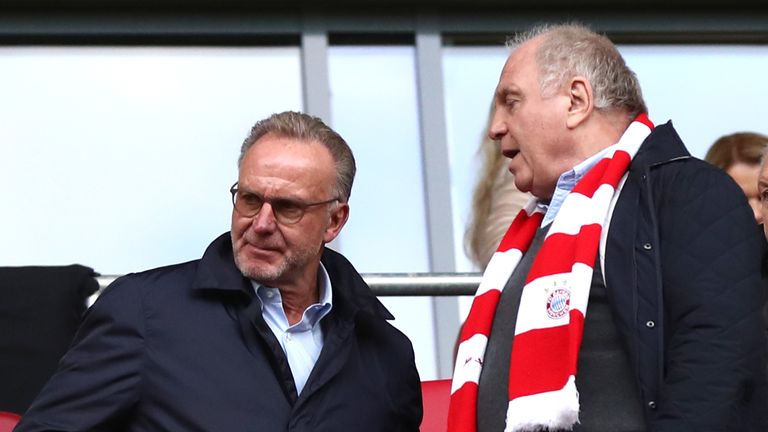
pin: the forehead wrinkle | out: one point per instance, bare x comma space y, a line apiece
295, 168
270, 187
289, 189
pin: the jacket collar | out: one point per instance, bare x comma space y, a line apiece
349, 286
217, 272
662, 145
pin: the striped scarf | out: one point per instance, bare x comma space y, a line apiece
550, 320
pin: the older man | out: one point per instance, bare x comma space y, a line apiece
661, 247
269, 331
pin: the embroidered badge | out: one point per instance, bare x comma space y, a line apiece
558, 303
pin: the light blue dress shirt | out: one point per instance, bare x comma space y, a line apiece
303, 341
565, 185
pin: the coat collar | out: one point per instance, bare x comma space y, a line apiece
662, 145
347, 283
217, 272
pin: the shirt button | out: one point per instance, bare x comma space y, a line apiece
288, 337
650, 324
652, 405
270, 294
647, 246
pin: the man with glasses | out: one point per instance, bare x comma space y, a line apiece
269, 331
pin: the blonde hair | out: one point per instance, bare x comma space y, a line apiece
495, 202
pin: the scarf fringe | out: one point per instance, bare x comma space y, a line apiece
556, 410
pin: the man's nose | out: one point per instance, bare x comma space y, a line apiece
497, 128
265, 219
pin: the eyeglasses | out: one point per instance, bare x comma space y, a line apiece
286, 211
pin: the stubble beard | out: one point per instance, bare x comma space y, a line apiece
268, 275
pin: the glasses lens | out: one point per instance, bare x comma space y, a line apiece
247, 204
287, 212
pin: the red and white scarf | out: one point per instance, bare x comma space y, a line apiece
550, 319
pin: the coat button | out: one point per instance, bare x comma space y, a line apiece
652, 405
647, 246
650, 324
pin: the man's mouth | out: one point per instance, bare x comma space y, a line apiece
260, 244
510, 153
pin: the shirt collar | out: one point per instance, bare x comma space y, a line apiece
270, 297
566, 183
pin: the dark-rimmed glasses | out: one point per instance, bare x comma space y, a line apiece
286, 211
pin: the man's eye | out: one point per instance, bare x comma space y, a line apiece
251, 199
288, 207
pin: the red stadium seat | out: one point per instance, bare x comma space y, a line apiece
436, 395
8, 421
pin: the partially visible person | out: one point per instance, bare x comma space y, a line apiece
739, 155
762, 189
495, 202
268, 331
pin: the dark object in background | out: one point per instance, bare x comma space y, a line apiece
40, 310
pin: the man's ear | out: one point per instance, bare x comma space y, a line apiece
581, 101
339, 216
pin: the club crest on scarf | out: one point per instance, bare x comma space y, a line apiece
558, 303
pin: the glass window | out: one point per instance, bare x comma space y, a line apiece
470, 75
706, 90
374, 107
120, 158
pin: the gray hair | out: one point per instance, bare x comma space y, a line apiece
568, 50
291, 124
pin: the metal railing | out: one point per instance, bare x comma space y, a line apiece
401, 284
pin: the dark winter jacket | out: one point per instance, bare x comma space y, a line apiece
682, 268
185, 348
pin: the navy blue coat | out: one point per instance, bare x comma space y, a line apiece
682, 268
185, 348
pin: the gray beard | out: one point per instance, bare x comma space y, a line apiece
269, 276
